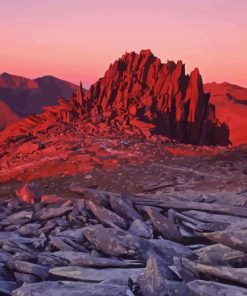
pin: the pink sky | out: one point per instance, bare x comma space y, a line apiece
78, 39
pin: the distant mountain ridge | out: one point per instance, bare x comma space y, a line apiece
28, 96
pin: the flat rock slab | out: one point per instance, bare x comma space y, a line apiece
4, 256
30, 268
29, 229
167, 249
221, 255
233, 239
115, 242
139, 228
20, 215
203, 288
125, 209
6, 236
72, 234
71, 289
86, 260
159, 280
92, 275
7, 287
55, 212
237, 275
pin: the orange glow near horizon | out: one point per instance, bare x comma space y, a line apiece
77, 40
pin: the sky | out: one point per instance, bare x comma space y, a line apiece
78, 39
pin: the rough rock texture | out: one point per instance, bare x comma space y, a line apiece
231, 107
140, 97
7, 116
139, 90
43, 245
73, 289
203, 288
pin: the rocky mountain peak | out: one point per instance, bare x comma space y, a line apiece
139, 96
139, 87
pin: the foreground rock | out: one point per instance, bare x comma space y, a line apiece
115, 242
86, 260
103, 249
91, 275
234, 239
203, 288
159, 280
237, 275
72, 289
6, 287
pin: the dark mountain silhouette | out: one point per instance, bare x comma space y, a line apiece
26, 96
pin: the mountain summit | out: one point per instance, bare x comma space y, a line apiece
139, 96
138, 90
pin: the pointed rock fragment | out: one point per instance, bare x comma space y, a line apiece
158, 280
106, 216
141, 229
163, 225
60, 244
124, 208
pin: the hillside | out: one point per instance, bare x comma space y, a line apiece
231, 107
7, 116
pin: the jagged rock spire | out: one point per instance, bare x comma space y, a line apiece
161, 97
142, 97
80, 94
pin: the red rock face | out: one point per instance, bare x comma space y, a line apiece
140, 97
231, 107
7, 117
160, 96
